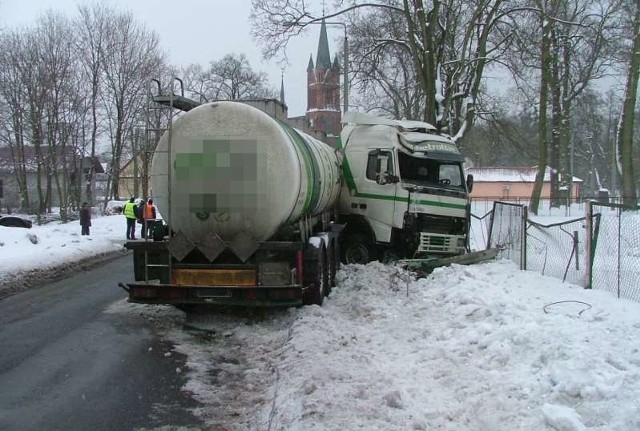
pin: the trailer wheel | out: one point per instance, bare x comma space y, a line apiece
358, 249
316, 276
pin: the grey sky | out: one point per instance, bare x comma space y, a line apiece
212, 29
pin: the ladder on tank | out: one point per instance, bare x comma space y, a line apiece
162, 107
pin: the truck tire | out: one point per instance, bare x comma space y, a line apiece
358, 249
316, 275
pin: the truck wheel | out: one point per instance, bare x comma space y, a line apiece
316, 278
358, 249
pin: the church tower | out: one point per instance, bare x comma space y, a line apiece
323, 89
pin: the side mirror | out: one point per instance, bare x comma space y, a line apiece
469, 182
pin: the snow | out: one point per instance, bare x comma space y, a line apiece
482, 347
513, 174
47, 246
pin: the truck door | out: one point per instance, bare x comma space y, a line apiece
379, 192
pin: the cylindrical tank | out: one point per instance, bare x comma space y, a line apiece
236, 170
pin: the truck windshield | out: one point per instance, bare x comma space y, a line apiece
430, 172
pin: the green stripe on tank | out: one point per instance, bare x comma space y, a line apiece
351, 184
312, 168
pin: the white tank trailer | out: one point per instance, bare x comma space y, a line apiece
247, 200
238, 173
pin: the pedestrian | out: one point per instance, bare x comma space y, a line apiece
85, 218
140, 204
149, 219
129, 212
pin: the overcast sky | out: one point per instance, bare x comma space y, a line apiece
212, 29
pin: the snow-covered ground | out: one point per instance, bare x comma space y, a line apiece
484, 347
44, 249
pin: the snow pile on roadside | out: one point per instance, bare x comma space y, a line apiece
478, 347
47, 249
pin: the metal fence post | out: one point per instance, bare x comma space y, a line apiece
523, 255
619, 245
589, 240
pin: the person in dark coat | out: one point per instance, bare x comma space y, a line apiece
85, 218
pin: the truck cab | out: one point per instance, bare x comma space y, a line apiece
404, 191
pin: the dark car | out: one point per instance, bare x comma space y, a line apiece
13, 221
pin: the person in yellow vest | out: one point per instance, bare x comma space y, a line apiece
129, 212
149, 215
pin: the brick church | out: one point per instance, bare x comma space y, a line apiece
322, 119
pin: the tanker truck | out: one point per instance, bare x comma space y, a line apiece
262, 214
249, 205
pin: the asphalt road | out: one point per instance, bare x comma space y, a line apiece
66, 364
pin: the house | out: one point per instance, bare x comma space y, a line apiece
512, 184
77, 169
131, 182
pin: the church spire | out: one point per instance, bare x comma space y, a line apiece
323, 60
282, 89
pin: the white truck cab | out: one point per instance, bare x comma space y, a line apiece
404, 194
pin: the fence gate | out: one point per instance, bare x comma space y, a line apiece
507, 232
559, 250
615, 260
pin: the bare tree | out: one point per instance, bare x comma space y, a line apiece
93, 26
131, 57
13, 119
567, 44
448, 43
32, 75
383, 76
625, 131
56, 40
228, 78
592, 147
198, 82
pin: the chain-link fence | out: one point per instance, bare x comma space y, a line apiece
507, 232
479, 232
558, 250
615, 263
600, 250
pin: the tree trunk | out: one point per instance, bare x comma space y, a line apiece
545, 76
554, 87
625, 129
